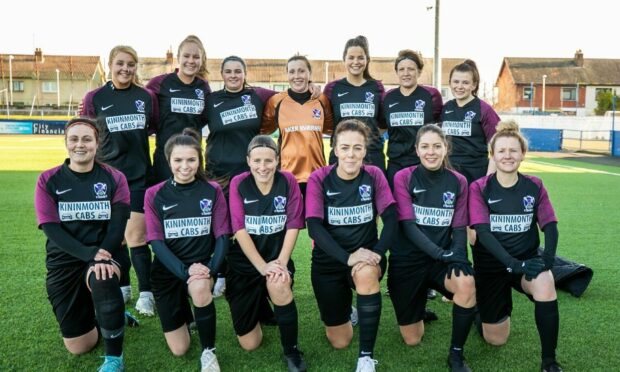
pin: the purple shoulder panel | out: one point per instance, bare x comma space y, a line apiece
545, 212
122, 188
383, 194
401, 194
264, 94
220, 220
477, 206
44, 205
314, 192
294, 204
154, 228
489, 120
329, 87
437, 101
154, 85
237, 213
461, 215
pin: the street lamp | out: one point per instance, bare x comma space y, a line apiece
543, 92
531, 98
11, 77
57, 88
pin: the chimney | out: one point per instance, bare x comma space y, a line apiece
38, 55
579, 58
169, 57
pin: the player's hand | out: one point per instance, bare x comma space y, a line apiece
315, 90
273, 267
364, 255
103, 270
459, 267
275, 277
102, 255
199, 269
530, 267
198, 277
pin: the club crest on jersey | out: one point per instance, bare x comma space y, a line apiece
140, 105
246, 99
448, 199
365, 192
370, 97
205, 206
316, 113
419, 105
279, 203
469, 115
101, 190
528, 203
200, 94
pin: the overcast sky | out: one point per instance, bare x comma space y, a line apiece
483, 30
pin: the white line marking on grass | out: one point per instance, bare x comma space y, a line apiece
585, 170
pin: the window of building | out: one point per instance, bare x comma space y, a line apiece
18, 86
280, 87
569, 94
527, 93
49, 87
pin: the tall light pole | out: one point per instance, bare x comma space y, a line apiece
11, 77
531, 98
543, 92
437, 67
57, 88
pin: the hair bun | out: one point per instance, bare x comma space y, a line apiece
508, 126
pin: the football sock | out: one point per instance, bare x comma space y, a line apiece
141, 258
462, 319
369, 314
110, 312
286, 316
205, 324
548, 323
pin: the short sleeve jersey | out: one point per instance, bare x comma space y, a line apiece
348, 208
512, 214
266, 218
301, 132
435, 200
404, 115
124, 118
469, 129
81, 203
187, 217
180, 105
352, 102
233, 120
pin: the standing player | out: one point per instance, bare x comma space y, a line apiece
125, 113
188, 228
82, 207
343, 201
504, 208
266, 211
432, 248
406, 109
181, 96
301, 121
358, 96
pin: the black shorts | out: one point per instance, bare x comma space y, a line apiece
248, 297
494, 294
71, 300
137, 189
471, 173
171, 298
332, 290
408, 284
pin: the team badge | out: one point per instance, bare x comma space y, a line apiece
419, 105
246, 99
469, 115
316, 113
528, 203
205, 206
101, 190
365, 191
200, 94
279, 203
140, 105
448, 199
369, 97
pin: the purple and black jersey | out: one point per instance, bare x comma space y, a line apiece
435, 200
404, 115
348, 208
233, 120
469, 129
266, 218
81, 203
363, 103
512, 214
186, 217
124, 118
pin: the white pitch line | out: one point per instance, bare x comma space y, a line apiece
586, 170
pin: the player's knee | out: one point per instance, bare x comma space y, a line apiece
467, 286
412, 339
495, 339
339, 340
280, 293
80, 347
250, 343
201, 293
366, 279
179, 349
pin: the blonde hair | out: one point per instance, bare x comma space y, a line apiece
508, 128
202, 72
129, 50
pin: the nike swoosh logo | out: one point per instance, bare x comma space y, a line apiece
174, 90
448, 255
116, 335
63, 191
332, 193
246, 201
392, 104
491, 201
342, 94
417, 191
449, 112
105, 108
166, 207
217, 104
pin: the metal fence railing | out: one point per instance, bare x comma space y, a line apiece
597, 141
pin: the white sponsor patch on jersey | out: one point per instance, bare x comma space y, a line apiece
187, 106
238, 114
125, 122
265, 225
439, 217
350, 215
357, 110
187, 227
303, 128
84, 211
511, 223
457, 128
407, 119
